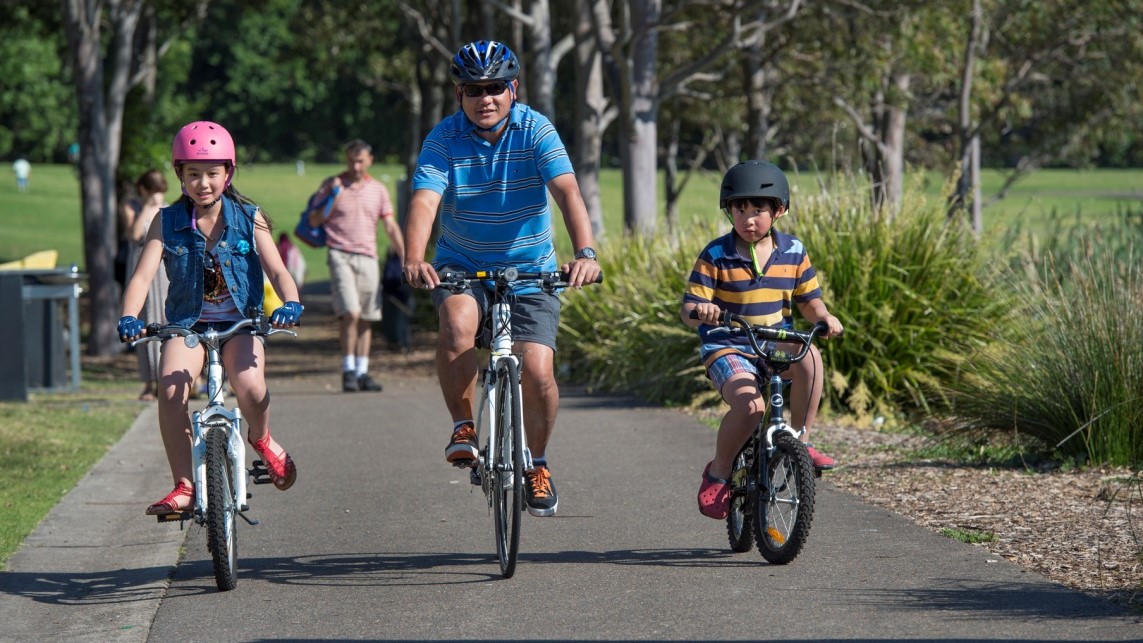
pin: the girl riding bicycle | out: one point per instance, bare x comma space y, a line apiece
757, 272
215, 244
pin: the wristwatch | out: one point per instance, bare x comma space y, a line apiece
586, 253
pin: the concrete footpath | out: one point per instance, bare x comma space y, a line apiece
380, 539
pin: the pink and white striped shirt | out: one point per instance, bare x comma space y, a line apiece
352, 222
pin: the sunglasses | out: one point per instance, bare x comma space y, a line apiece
476, 91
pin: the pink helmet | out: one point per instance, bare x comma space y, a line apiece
202, 141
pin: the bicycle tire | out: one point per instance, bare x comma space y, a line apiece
739, 523
784, 511
221, 510
508, 470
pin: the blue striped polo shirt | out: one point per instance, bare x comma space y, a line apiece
726, 278
494, 205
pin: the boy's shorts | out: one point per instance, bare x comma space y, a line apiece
724, 367
535, 318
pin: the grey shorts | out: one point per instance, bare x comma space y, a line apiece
535, 317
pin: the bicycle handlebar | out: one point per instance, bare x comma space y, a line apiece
738, 324
504, 276
261, 326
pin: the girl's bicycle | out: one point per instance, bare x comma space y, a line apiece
504, 456
218, 452
772, 482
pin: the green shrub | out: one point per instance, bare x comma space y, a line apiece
1070, 373
625, 334
911, 289
906, 289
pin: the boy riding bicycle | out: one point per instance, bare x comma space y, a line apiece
757, 272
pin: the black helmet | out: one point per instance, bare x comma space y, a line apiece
754, 179
484, 60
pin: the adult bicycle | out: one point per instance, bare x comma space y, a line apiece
772, 481
218, 452
504, 456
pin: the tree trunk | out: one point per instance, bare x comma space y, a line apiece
100, 127
589, 114
641, 177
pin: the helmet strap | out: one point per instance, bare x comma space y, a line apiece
753, 252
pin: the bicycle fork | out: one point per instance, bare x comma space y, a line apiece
231, 422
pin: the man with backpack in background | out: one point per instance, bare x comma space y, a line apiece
359, 203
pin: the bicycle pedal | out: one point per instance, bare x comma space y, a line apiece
259, 474
464, 464
177, 516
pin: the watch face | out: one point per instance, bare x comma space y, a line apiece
586, 253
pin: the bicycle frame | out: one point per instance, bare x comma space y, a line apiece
500, 352
209, 417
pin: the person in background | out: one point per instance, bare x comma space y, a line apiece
22, 168
138, 214
292, 257
354, 271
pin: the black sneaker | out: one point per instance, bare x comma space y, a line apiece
348, 381
366, 383
540, 491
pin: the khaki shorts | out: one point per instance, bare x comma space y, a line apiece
355, 283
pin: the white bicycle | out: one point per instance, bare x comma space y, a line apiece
504, 456
218, 452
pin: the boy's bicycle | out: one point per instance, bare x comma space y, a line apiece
772, 481
504, 456
218, 452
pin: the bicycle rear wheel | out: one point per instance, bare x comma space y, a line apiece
785, 507
508, 469
739, 523
221, 509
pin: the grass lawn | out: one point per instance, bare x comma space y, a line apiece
47, 445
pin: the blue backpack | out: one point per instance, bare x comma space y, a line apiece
312, 236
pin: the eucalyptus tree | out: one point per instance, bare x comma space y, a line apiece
628, 35
104, 68
1050, 77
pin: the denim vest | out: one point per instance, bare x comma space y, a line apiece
183, 257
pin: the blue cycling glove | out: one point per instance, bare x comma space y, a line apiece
287, 315
130, 327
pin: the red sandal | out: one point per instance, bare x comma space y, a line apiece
170, 504
281, 468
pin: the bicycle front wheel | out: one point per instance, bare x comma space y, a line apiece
221, 510
508, 469
785, 505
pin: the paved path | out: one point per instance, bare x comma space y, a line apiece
380, 539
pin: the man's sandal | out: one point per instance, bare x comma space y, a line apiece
281, 468
177, 501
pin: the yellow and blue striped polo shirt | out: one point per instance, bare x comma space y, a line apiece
726, 278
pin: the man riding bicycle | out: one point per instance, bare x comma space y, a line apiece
488, 168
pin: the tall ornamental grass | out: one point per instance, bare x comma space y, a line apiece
1069, 372
906, 288
625, 335
910, 287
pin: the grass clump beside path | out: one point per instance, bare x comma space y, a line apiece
46, 446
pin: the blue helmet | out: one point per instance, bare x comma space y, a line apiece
484, 60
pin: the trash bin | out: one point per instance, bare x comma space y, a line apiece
47, 303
